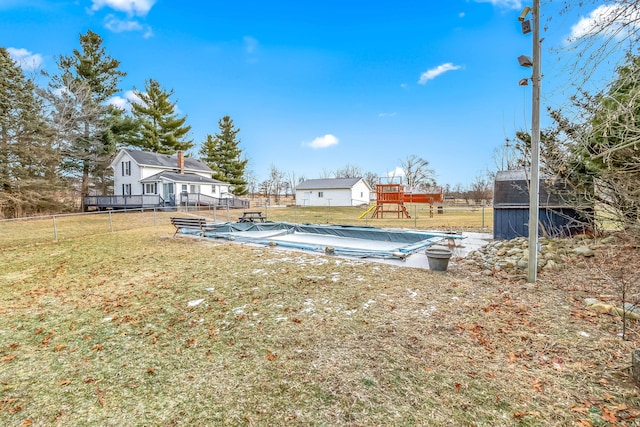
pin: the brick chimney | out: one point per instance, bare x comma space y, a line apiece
181, 161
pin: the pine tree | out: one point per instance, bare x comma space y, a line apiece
87, 79
160, 128
27, 159
222, 154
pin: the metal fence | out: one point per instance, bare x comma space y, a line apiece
51, 228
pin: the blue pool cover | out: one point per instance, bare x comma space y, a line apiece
335, 239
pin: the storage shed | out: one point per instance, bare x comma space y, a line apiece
557, 216
333, 192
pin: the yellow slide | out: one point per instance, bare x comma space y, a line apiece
366, 212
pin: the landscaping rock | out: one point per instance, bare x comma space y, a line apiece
512, 256
585, 251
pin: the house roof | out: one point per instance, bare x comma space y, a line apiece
330, 183
164, 160
181, 177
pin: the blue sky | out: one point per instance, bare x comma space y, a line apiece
314, 86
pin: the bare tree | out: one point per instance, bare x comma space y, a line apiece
292, 183
265, 188
507, 157
417, 172
607, 29
325, 174
79, 124
372, 179
480, 189
348, 171
276, 178
252, 182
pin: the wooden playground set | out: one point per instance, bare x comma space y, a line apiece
390, 198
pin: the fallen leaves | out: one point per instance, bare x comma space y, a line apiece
270, 356
101, 395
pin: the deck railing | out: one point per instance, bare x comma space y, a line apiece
197, 199
123, 202
154, 200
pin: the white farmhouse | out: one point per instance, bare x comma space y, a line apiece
333, 192
138, 172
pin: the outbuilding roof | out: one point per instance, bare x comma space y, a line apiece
329, 183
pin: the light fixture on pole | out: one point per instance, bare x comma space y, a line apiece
523, 82
534, 186
525, 61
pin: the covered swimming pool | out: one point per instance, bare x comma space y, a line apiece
335, 239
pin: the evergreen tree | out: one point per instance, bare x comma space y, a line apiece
160, 128
222, 154
27, 159
599, 155
88, 77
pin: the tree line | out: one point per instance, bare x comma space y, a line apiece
56, 142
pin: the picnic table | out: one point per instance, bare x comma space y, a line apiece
252, 216
190, 223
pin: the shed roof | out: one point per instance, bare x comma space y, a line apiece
329, 183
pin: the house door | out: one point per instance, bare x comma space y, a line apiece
168, 193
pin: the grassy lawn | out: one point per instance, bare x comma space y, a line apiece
133, 327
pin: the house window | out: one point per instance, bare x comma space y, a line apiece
126, 168
126, 189
184, 188
150, 188
320, 194
362, 194
213, 189
194, 188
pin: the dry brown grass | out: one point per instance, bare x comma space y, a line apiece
99, 331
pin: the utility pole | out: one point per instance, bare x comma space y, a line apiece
534, 183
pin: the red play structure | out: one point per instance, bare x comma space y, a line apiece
390, 198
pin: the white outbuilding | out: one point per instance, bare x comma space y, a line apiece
333, 192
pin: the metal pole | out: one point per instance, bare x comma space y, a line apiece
534, 186
110, 222
55, 229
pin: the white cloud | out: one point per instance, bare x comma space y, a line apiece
131, 7
387, 114
250, 44
461, 15
506, 4
613, 20
398, 171
435, 72
25, 59
118, 25
323, 141
124, 103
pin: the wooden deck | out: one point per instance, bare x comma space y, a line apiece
150, 201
